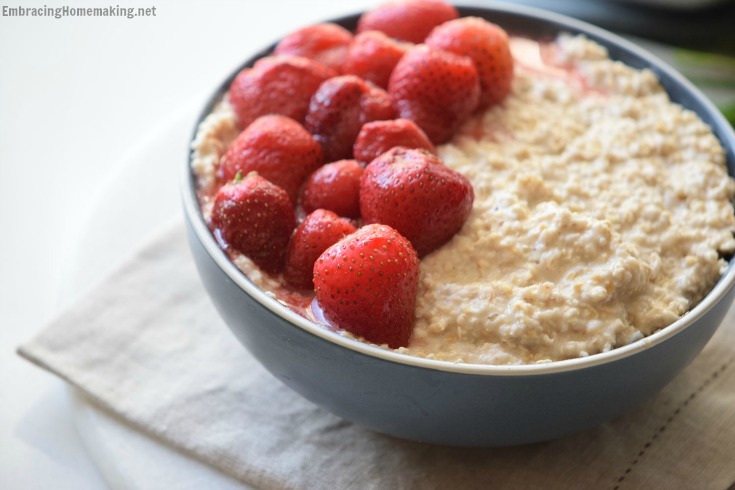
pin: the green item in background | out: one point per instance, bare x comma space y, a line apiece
709, 70
729, 112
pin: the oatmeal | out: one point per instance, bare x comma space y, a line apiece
602, 213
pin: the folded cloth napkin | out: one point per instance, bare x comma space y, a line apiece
148, 346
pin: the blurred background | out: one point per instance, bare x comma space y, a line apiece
695, 24
94, 112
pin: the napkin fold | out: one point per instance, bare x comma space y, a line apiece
148, 346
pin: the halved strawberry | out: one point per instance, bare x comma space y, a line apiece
435, 89
366, 284
276, 85
255, 217
375, 138
334, 186
372, 56
278, 148
415, 193
338, 110
325, 43
408, 20
319, 231
488, 47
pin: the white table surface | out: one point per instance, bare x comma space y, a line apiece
78, 98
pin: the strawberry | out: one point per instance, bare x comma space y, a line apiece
276, 85
325, 43
372, 56
278, 148
408, 20
319, 231
488, 47
256, 218
366, 284
334, 186
377, 137
415, 193
338, 110
435, 89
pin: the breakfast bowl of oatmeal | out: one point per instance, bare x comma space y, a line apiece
474, 226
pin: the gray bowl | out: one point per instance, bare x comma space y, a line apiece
463, 404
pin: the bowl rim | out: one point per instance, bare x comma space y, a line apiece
726, 281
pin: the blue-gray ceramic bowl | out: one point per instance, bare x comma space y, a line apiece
463, 404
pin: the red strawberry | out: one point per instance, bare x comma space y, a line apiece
319, 231
276, 85
366, 284
415, 193
339, 109
276, 147
408, 20
487, 45
377, 137
372, 56
334, 186
256, 218
435, 89
325, 43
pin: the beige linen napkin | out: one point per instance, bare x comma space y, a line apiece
148, 346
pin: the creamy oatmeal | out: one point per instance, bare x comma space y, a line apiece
602, 213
